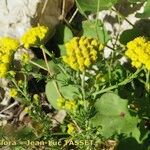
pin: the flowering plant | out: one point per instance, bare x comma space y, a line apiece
90, 96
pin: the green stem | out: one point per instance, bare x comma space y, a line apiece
109, 71
97, 13
24, 94
63, 70
79, 129
25, 85
53, 58
147, 80
83, 84
96, 24
142, 81
46, 51
128, 80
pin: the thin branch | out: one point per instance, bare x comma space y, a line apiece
44, 6
63, 8
74, 14
10, 106
46, 61
32, 62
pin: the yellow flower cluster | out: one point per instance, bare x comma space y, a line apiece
36, 98
34, 36
25, 58
82, 52
71, 128
7, 48
61, 102
100, 78
69, 105
138, 51
13, 92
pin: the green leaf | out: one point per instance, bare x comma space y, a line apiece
146, 12
95, 29
91, 5
62, 49
67, 91
63, 34
129, 35
114, 117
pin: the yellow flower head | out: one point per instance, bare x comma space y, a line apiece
27, 109
100, 78
36, 98
71, 128
12, 73
60, 102
8, 45
70, 105
25, 58
7, 48
34, 36
13, 92
82, 52
138, 51
20, 83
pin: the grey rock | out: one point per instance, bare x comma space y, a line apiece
18, 15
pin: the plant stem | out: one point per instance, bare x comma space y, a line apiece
97, 13
25, 85
46, 51
79, 129
44, 7
63, 70
147, 84
109, 71
83, 84
63, 8
74, 14
80, 8
62, 16
34, 63
24, 94
46, 61
128, 80
49, 71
